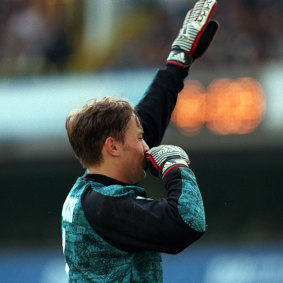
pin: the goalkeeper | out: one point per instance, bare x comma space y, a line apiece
111, 231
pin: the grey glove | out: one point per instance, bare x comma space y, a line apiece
195, 35
163, 158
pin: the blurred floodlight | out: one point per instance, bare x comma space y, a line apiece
226, 107
189, 113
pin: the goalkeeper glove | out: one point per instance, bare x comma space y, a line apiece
195, 35
162, 159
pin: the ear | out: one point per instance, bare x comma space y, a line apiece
112, 147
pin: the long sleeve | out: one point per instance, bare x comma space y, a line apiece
158, 103
133, 222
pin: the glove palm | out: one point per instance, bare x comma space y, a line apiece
195, 35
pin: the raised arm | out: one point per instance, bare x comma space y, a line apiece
158, 103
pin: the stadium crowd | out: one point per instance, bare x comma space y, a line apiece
34, 36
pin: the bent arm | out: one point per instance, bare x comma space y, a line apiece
158, 103
166, 225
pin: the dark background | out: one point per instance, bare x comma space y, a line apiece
242, 193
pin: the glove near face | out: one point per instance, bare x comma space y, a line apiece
163, 158
195, 35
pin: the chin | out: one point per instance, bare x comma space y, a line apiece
142, 177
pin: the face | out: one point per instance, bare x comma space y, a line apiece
133, 161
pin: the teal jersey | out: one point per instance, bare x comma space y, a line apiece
113, 233
89, 258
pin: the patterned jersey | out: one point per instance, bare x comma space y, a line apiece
113, 233
89, 258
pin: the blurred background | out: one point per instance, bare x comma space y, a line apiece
56, 54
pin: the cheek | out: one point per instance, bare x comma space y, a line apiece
138, 156
138, 147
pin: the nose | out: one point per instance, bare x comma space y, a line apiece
145, 146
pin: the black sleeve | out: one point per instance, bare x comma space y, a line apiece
131, 223
158, 103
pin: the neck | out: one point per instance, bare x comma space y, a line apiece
108, 171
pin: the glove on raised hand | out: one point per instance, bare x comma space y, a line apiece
163, 158
195, 35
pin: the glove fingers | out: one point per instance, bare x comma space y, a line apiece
196, 10
206, 38
187, 19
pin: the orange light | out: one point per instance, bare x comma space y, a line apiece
189, 113
227, 107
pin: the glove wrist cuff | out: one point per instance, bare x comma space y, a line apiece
171, 168
180, 58
171, 164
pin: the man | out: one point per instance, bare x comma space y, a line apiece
111, 231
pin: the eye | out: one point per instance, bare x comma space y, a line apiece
140, 137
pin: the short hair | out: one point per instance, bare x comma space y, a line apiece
90, 126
